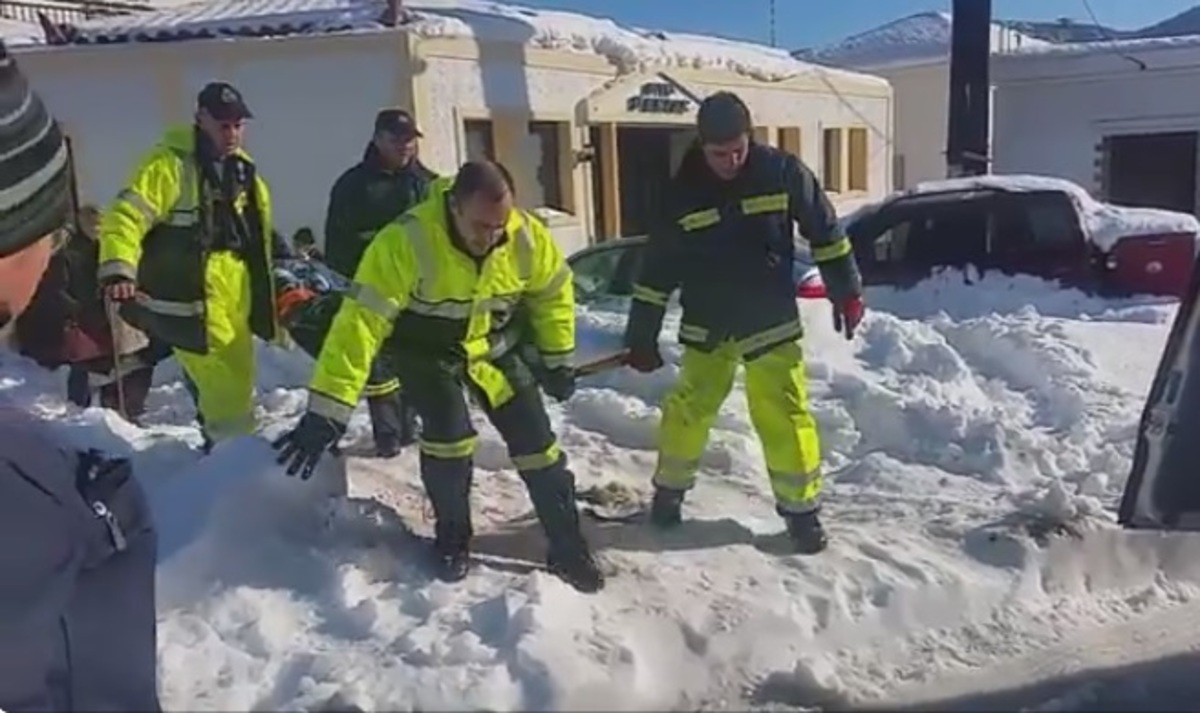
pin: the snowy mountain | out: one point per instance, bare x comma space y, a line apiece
1185, 23
916, 39
976, 439
925, 37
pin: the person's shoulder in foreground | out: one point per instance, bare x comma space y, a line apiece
77, 564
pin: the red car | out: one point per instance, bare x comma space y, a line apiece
1032, 225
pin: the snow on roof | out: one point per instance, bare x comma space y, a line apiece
1104, 223
1107, 46
916, 39
630, 49
16, 32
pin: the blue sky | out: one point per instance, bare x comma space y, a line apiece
801, 23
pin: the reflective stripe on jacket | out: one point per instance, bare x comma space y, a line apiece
728, 247
422, 294
152, 233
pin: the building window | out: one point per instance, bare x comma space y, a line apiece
545, 146
481, 145
857, 155
789, 140
831, 160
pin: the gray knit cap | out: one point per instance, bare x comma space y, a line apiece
35, 186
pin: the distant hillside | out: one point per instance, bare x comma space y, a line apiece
1185, 23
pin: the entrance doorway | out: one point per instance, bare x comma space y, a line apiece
647, 157
1152, 170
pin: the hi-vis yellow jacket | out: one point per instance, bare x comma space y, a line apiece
156, 233
427, 297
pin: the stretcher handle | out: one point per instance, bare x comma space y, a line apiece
605, 363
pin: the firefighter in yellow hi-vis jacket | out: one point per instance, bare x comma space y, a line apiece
453, 291
186, 251
727, 246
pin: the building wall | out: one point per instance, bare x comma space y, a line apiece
922, 112
1053, 124
314, 100
509, 85
462, 80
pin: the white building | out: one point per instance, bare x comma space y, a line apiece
913, 53
588, 115
1119, 118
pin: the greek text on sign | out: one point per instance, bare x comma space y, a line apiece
657, 98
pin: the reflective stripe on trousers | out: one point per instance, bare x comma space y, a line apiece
447, 433
778, 402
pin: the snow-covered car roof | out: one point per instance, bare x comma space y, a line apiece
1103, 223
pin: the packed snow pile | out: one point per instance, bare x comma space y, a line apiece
629, 49
1104, 223
916, 39
16, 32
974, 459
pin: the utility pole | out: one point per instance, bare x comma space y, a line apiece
968, 135
771, 11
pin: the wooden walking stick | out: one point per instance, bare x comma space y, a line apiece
110, 311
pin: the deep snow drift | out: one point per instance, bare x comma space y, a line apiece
975, 457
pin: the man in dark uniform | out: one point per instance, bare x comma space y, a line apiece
726, 244
389, 180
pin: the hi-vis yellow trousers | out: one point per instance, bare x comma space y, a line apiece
778, 398
224, 377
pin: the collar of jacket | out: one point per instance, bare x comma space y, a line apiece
204, 149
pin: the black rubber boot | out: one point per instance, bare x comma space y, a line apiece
409, 428
568, 555
448, 484
806, 532
666, 510
386, 424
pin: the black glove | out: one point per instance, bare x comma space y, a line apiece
301, 447
644, 359
559, 384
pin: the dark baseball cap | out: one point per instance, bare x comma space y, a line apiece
722, 117
223, 102
398, 123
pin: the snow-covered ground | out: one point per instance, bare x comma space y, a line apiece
977, 439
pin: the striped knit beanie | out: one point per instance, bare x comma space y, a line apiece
35, 186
